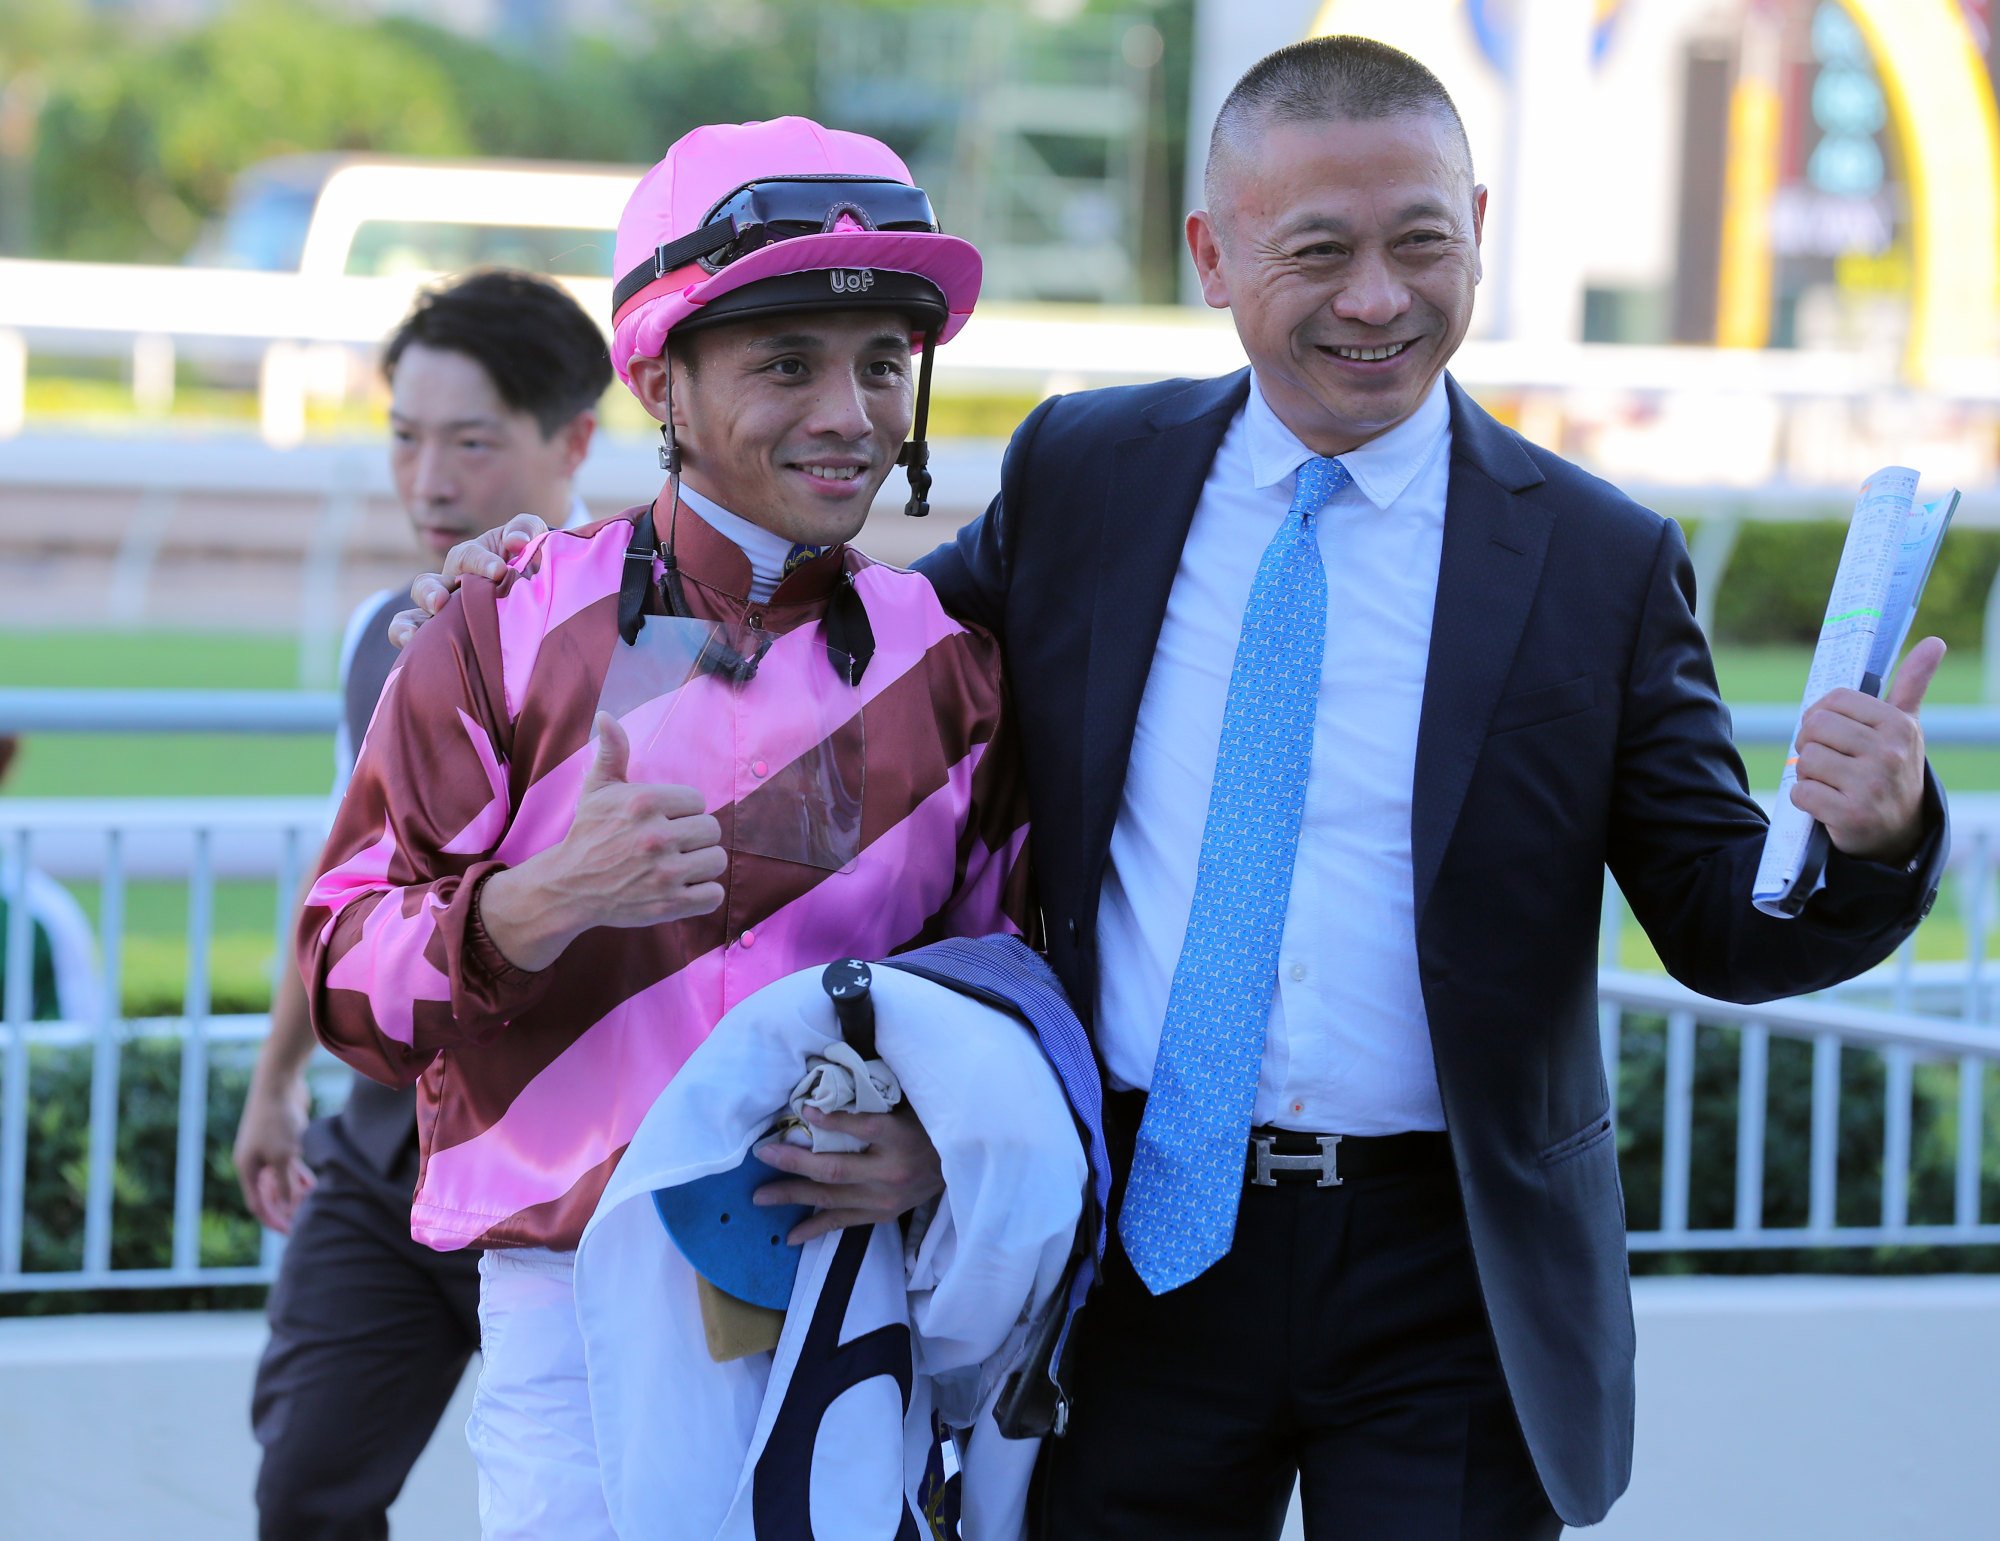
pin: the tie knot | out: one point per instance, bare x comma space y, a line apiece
1319, 479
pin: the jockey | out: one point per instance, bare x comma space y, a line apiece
672, 757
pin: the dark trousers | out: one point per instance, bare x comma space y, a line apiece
1341, 1343
370, 1332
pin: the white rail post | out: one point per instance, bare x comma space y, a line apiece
286, 905
17, 1005
1824, 1158
153, 374
1971, 1111
191, 1148
1713, 545
1677, 1125
319, 584
1752, 1103
13, 382
1610, 1016
281, 395
1990, 635
105, 1068
132, 568
1975, 882
1898, 1083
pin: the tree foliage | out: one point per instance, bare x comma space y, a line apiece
140, 139
137, 136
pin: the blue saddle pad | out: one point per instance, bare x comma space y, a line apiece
731, 1242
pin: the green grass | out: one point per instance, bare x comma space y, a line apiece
149, 659
244, 949
1779, 674
161, 765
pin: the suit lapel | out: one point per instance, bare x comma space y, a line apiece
1490, 566
1156, 481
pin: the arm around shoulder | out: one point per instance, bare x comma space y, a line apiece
971, 573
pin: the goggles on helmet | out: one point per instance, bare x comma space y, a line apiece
758, 214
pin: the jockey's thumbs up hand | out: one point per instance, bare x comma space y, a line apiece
637, 854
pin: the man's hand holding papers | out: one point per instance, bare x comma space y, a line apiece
1861, 763
1854, 781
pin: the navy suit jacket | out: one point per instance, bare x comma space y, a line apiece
1570, 722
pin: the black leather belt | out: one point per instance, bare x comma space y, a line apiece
1288, 1156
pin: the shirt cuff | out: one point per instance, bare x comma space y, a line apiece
487, 982
1910, 885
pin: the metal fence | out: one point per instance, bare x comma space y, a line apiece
271, 838
1903, 1041
1908, 1016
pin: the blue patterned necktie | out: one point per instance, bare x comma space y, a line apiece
1187, 1172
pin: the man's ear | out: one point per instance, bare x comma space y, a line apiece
1205, 246
576, 435
1478, 232
649, 384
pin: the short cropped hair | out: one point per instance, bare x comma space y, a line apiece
544, 355
1325, 79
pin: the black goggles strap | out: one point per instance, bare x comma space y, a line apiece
691, 247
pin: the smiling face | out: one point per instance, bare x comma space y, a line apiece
465, 462
792, 422
1347, 252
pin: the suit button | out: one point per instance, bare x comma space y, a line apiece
1070, 926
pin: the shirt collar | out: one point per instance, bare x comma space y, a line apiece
1382, 468
728, 552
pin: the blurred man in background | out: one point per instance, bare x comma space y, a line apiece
495, 381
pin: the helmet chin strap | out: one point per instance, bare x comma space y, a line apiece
915, 456
670, 462
850, 638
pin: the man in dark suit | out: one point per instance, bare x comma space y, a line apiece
1512, 694
1337, 699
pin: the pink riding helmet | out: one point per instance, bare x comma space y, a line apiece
815, 217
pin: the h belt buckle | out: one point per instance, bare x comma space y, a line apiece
1268, 1162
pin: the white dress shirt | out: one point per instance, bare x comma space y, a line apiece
1348, 1047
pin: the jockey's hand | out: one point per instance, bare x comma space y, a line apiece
898, 1171
484, 556
637, 853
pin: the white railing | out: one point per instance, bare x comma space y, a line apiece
1902, 1041
282, 834
1909, 1015
298, 323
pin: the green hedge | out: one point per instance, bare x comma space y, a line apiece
142, 1180
149, 1096
1774, 588
1787, 1147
